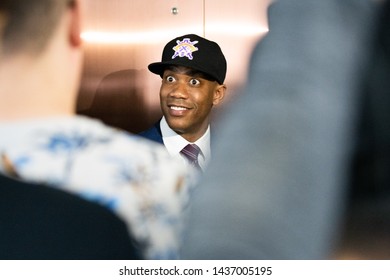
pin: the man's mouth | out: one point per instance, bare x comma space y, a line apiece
178, 111
178, 108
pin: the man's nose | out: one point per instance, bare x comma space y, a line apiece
180, 90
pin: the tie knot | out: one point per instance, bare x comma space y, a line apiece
191, 152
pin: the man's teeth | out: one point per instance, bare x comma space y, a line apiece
178, 108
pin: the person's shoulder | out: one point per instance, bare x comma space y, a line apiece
110, 142
123, 158
110, 147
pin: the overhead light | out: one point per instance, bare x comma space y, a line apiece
149, 37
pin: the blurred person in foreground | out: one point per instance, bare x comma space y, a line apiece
282, 193
42, 141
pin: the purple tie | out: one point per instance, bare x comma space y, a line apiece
191, 152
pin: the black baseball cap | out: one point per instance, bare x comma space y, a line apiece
194, 52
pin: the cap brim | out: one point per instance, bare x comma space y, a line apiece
158, 67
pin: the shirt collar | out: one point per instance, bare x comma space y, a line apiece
175, 143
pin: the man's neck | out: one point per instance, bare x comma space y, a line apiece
40, 94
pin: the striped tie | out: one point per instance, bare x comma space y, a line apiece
191, 152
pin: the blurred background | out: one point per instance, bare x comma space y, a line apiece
121, 37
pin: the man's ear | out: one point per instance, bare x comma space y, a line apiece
75, 23
219, 94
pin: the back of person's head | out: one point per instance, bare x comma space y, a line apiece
27, 25
37, 38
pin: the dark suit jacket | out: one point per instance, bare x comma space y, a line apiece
153, 133
39, 222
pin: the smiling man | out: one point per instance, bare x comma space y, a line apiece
193, 70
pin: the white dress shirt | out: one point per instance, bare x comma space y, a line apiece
174, 143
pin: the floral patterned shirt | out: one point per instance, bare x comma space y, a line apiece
133, 177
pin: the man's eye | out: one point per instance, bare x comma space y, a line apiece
194, 82
170, 79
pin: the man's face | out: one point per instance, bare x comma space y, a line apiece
186, 99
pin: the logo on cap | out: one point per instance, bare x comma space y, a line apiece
184, 48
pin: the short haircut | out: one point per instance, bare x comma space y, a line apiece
29, 24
